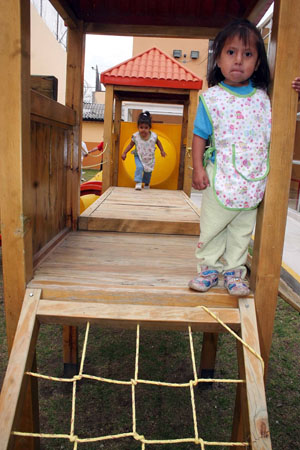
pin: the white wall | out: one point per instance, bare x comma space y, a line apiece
47, 56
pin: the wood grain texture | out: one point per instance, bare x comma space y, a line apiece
125, 268
49, 159
271, 220
154, 317
188, 164
47, 108
21, 358
74, 96
107, 138
147, 211
256, 398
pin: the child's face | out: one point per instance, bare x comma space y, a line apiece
144, 130
238, 61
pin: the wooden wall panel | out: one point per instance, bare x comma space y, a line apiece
49, 181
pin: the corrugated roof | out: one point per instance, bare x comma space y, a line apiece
93, 111
152, 68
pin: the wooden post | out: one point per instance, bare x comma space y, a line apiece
208, 356
16, 197
271, 221
107, 138
74, 94
183, 144
116, 143
187, 177
15, 382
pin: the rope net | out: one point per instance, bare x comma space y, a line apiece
191, 384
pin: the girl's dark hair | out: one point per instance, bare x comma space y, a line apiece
146, 118
242, 28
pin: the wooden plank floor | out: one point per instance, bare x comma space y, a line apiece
125, 268
146, 211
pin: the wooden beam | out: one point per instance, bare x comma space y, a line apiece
158, 317
116, 143
271, 221
151, 30
256, 398
44, 251
16, 202
66, 12
70, 351
45, 85
183, 144
152, 90
21, 359
107, 138
42, 106
260, 8
187, 179
74, 95
208, 355
240, 428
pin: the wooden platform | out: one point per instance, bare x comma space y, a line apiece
146, 211
125, 279
125, 268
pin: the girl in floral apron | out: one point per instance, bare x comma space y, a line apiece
234, 114
144, 141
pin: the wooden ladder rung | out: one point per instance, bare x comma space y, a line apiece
128, 315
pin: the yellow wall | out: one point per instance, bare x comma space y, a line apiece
47, 56
165, 173
167, 45
92, 131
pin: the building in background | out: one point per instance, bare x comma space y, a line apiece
48, 44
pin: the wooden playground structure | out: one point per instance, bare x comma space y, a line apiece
44, 241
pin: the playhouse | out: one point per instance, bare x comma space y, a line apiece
44, 242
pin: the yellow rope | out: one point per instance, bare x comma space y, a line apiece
136, 436
96, 156
236, 336
139, 380
133, 382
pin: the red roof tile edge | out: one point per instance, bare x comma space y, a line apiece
107, 78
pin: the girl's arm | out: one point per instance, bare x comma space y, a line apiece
159, 145
200, 178
129, 147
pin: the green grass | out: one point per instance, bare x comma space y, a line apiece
89, 173
162, 412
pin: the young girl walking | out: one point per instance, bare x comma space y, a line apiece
235, 115
144, 141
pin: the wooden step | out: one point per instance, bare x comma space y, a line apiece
146, 211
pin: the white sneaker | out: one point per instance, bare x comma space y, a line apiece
146, 186
138, 186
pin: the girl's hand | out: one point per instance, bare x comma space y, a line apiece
163, 153
123, 156
296, 84
200, 179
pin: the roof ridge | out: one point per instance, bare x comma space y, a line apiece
152, 67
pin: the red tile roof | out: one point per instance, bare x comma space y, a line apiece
152, 68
